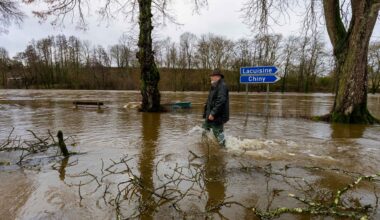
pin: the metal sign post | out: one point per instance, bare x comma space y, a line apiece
246, 99
267, 101
246, 105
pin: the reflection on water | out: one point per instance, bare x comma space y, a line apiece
214, 174
62, 168
347, 132
282, 138
150, 134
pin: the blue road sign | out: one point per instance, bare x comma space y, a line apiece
265, 70
259, 79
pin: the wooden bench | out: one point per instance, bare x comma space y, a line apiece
91, 103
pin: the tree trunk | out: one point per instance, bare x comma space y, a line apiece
350, 50
283, 84
149, 72
4, 79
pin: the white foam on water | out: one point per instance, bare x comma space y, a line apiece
196, 129
321, 157
237, 144
267, 148
274, 149
251, 147
132, 105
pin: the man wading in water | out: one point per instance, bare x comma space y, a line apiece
217, 112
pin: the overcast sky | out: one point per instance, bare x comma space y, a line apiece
222, 17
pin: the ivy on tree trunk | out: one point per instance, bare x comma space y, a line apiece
150, 75
350, 51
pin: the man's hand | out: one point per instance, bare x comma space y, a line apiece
211, 118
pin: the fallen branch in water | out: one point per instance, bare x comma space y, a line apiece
339, 193
316, 209
120, 186
62, 145
332, 207
26, 149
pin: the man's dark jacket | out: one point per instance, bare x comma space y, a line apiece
218, 103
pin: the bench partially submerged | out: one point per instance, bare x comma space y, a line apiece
181, 105
88, 103
177, 105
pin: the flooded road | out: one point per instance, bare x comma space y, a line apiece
258, 145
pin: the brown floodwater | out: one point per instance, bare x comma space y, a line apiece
257, 141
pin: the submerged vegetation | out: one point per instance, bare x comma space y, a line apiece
24, 152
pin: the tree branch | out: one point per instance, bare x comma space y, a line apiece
375, 6
334, 24
9, 13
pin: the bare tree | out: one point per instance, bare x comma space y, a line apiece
374, 66
9, 14
116, 54
158, 53
4, 59
173, 58
103, 60
221, 52
74, 50
302, 56
86, 52
266, 49
173, 55
243, 52
288, 53
203, 51
316, 53
166, 44
349, 31
31, 59
243, 56
62, 52
74, 47
129, 49
44, 48
187, 43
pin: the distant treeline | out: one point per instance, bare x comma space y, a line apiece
70, 63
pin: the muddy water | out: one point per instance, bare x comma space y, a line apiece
279, 137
